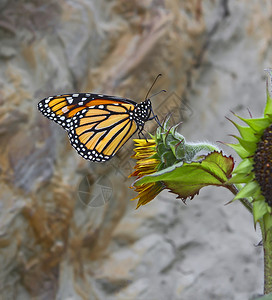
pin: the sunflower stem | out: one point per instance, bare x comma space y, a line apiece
267, 245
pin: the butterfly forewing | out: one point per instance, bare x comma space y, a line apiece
63, 108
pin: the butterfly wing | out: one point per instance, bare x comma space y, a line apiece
99, 131
62, 108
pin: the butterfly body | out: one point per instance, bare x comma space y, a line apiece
97, 125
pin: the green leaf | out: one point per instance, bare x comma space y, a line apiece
186, 179
259, 210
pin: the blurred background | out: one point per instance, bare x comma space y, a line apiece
68, 229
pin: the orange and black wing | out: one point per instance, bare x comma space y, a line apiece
62, 108
99, 131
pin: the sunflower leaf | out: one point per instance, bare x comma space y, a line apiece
186, 179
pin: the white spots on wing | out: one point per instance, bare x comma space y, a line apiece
101, 106
65, 109
70, 100
75, 95
100, 95
80, 103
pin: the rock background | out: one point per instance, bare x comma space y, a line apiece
54, 246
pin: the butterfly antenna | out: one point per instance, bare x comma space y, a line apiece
159, 75
157, 93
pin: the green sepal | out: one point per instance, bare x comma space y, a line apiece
151, 136
166, 122
161, 149
239, 150
248, 190
268, 107
155, 156
177, 149
244, 167
249, 146
259, 210
245, 132
165, 136
168, 158
267, 221
241, 178
174, 129
258, 124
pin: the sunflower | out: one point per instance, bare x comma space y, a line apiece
167, 161
255, 170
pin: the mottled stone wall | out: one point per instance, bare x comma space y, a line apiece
53, 245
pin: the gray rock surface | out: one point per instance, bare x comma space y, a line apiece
52, 246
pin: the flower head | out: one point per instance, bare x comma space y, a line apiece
255, 170
167, 161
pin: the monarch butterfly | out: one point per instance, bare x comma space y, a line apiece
97, 125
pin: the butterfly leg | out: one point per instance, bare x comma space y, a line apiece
141, 132
156, 119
